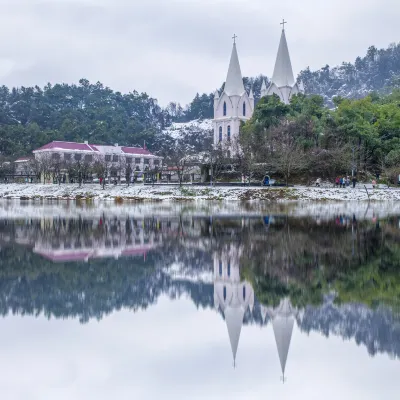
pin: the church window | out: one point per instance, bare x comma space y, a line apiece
224, 293
224, 108
244, 109
229, 132
229, 268
220, 133
220, 268
244, 292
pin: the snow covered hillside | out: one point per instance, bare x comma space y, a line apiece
179, 130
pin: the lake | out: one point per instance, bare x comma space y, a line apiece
199, 300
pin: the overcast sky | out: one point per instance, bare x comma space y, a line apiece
172, 49
175, 351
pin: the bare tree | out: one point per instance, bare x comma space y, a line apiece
102, 168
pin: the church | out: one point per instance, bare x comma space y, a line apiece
235, 105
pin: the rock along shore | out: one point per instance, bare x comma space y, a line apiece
140, 192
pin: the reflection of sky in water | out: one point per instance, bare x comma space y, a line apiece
174, 351
156, 269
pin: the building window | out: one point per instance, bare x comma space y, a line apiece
229, 132
220, 268
244, 109
107, 157
67, 157
220, 133
55, 156
244, 292
156, 162
146, 161
224, 108
224, 293
229, 268
129, 160
88, 158
115, 158
137, 160
78, 157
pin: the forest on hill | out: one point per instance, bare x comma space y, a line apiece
32, 116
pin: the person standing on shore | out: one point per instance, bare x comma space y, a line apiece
354, 181
337, 181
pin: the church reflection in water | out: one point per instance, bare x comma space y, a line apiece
234, 297
242, 267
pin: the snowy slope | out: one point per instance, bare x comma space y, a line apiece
180, 129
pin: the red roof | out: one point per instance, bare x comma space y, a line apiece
74, 256
67, 146
135, 150
21, 159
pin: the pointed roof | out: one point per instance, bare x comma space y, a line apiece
283, 73
263, 85
216, 94
251, 95
282, 323
234, 321
283, 329
234, 81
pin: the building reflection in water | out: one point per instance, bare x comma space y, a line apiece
234, 297
231, 295
211, 248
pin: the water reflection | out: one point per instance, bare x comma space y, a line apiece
337, 275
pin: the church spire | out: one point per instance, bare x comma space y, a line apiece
234, 81
234, 320
283, 73
282, 323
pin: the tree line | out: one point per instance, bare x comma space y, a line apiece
306, 139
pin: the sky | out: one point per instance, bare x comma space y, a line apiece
175, 351
172, 49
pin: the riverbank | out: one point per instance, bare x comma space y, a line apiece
122, 193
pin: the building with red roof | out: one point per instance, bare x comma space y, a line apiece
115, 158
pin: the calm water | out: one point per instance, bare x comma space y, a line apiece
199, 302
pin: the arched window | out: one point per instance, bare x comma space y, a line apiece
244, 109
224, 108
244, 292
229, 268
220, 133
224, 293
229, 132
220, 268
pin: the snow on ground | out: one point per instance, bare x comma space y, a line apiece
177, 129
189, 192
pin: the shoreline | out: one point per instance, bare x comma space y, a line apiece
144, 193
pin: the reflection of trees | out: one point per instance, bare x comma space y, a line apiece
282, 257
302, 260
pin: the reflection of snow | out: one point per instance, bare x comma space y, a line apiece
233, 210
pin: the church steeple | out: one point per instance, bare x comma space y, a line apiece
282, 322
232, 106
283, 83
234, 81
283, 73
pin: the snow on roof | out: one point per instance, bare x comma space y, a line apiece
23, 159
104, 149
136, 150
66, 146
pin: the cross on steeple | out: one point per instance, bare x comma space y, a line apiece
234, 37
283, 24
